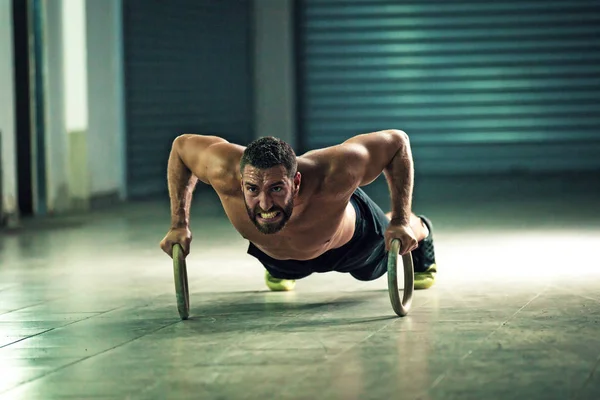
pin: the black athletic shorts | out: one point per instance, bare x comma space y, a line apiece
364, 256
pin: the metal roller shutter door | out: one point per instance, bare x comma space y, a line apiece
479, 86
187, 70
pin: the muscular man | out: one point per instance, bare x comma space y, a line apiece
306, 214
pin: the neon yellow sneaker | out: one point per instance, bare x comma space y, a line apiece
426, 279
424, 259
279, 285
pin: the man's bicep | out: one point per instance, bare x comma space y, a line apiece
369, 154
361, 163
196, 154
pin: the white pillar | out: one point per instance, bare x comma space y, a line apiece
84, 107
106, 133
56, 141
8, 151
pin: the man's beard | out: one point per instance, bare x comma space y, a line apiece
271, 227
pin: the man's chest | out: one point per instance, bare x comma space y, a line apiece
311, 230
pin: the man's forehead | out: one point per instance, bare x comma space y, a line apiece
276, 173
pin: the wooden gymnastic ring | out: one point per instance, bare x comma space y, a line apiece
181, 282
401, 307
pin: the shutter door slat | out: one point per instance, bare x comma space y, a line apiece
187, 70
478, 86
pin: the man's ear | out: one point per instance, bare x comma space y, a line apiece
297, 179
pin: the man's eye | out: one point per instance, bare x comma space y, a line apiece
251, 189
277, 189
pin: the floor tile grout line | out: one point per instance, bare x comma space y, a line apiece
241, 340
505, 322
464, 357
85, 358
26, 337
62, 326
587, 380
558, 287
35, 304
152, 332
393, 321
592, 372
438, 380
296, 316
285, 320
23, 308
216, 360
9, 288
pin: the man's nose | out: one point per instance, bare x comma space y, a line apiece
265, 202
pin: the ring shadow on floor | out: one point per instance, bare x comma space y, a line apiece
243, 311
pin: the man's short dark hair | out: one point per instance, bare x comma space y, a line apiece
268, 152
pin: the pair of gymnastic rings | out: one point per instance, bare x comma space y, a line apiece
400, 306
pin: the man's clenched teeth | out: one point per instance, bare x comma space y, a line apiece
269, 215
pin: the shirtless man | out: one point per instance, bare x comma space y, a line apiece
306, 214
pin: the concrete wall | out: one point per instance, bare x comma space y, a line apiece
274, 70
8, 179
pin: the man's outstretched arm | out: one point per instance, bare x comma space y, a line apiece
188, 163
388, 152
399, 173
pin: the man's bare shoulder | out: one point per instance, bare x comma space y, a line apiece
333, 157
333, 167
227, 154
223, 166
212, 159
359, 160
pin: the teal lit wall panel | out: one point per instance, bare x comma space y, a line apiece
188, 69
478, 86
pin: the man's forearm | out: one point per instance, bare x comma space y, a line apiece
181, 184
400, 177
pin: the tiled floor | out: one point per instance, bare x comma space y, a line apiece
87, 307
